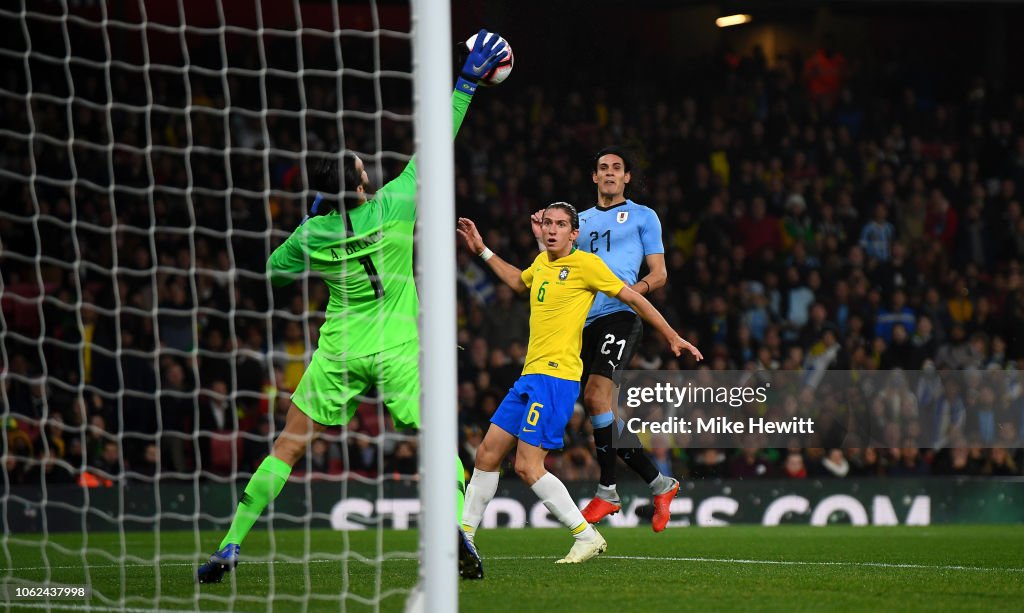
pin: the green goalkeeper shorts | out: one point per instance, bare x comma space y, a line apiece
328, 390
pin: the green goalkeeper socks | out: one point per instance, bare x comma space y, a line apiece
264, 486
460, 497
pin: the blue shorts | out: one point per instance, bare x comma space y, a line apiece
537, 409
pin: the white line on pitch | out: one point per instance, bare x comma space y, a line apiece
606, 557
818, 563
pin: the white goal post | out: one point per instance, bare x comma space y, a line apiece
432, 69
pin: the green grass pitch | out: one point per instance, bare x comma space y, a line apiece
736, 568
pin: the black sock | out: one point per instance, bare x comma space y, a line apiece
605, 454
631, 450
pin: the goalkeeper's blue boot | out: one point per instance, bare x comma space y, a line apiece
224, 561
470, 564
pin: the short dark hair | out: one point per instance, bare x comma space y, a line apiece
330, 183
574, 217
627, 160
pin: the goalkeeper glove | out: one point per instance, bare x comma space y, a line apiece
484, 56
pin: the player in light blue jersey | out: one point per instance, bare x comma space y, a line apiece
625, 235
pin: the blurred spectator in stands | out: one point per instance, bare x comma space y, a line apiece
96, 436
982, 407
176, 411
19, 442
956, 353
793, 467
148, 466
318, 459
578, 464
975, 239
757, 316
472, 437
362, 455
938, 313
215, 411
797, 299
748, 463
877, 235
824, 74
813, 457
866, 463
835, 464
949, 415
291, 352
743, 349
923, 341
911, 224
108, 464
906, 461
48, 469
25, 388
175, 314
257, 447
503, 370
758, 230
823, 355
1001, 464
900, 352
403, 462
73, 454
955, 461
960, 304
940, 222
817, 321
214, 354
708, 464
797, 227
506, 319
138, 402
898, 312
14, 466
55, 432
215, 417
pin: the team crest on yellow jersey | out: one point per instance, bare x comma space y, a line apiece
563, 274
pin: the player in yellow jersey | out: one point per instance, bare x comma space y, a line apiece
562, 282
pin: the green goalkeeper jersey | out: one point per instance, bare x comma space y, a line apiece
367, 263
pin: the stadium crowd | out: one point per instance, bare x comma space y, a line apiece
842, 223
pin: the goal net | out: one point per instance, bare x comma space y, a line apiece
153, 155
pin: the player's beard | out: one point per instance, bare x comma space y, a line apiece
353, 199
368, 189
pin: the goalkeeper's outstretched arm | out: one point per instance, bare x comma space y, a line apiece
401, 190
512, 276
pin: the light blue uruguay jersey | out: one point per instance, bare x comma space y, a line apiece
621, 235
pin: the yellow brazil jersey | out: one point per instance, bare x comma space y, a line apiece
561, 293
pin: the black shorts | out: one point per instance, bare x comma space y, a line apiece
609, 343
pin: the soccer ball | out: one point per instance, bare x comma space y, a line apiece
500, 72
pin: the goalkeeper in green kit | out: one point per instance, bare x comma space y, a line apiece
362, 247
